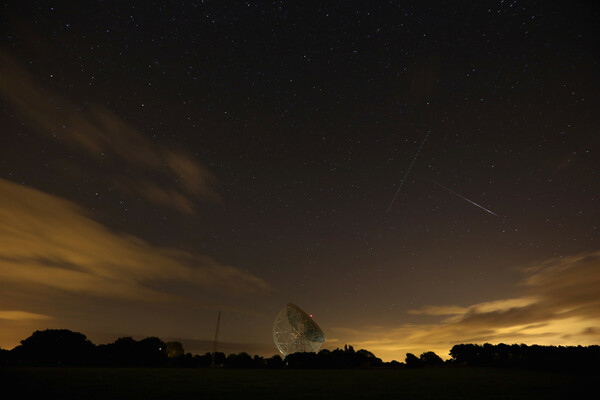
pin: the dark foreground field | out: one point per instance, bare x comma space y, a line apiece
430, 383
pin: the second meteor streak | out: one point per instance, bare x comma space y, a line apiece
462, 197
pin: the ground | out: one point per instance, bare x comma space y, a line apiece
432, 383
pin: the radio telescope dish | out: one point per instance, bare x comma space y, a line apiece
294, 331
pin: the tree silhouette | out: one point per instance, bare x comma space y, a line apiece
4, 357
366, 359
523, 356
55, 347
127, 352
275, 362
241, 360
174, 349
302, 360
206, 360
430, 359
466, 354
412, 361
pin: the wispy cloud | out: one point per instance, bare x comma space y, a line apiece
147, 169
50, 242
560, 304
16, 315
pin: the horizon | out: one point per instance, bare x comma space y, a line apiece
205, 346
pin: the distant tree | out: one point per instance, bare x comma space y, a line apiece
366, 359
152, 352
127, 352
331, 359
467, 354
241, 360
302, 360
55, 347
205, 360
325, 358
259, 362
346, 358
174, 349
394, 364
348, 349
183, 361
324, 354
503, 356
121, 353
487, 355
430, 359
219, 359
275, 362
412, 361
523, 356
4, 357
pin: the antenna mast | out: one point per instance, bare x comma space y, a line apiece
214, 349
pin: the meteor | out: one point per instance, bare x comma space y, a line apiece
407, 172
462, 197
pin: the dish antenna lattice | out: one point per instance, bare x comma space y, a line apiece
295, 331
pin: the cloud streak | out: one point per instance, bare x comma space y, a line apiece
16, 315
158, 174
559, 304
47, 241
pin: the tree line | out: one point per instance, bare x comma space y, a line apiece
62, 347
523, 356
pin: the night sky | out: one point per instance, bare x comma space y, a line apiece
414, 174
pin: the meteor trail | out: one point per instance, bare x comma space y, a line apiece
462, 197
407, 172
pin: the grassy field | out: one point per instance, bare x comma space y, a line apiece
432, 383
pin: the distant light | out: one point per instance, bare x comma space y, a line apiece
310, 315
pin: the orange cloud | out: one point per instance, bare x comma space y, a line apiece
99, 132
560, 305
15, 315
50, 242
